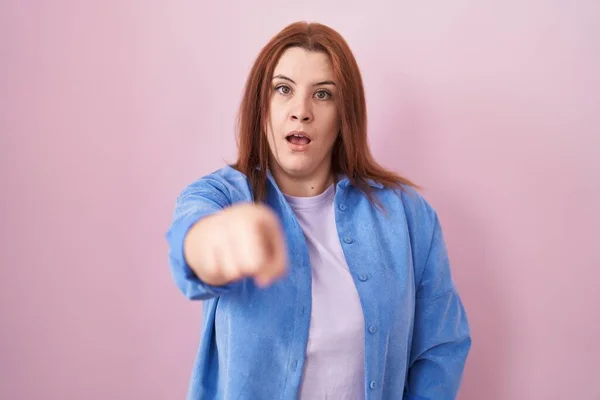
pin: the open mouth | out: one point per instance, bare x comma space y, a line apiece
297, 139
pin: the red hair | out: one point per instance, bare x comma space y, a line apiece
351, 154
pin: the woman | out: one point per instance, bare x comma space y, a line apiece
323, 275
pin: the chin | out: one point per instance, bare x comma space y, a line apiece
295, 170
294, 167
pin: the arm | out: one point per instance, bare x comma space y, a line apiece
199, 200
441, 336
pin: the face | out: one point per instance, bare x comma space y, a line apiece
303, 121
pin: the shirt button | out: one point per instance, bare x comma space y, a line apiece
348, 239
294, 365
363, 277
373, 385
343, 207
372, 329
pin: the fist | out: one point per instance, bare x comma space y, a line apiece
244, 240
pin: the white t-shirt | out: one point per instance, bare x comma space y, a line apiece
334, 366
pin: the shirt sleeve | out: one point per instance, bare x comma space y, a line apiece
441, 336
199, 200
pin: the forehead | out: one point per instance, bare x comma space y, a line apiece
304, 65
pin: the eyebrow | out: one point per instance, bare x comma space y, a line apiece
291, 80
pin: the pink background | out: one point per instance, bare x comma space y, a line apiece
108, 109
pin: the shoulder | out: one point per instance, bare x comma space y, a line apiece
420, 215
422, 223
226, 184
414, 203
417, 205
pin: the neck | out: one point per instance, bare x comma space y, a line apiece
303, 186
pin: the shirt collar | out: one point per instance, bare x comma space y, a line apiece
343, 180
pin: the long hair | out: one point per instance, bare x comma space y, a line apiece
351, 155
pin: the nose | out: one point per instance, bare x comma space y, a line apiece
302, 111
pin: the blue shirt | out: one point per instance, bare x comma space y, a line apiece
253, 340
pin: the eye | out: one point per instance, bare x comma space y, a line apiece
323, 94
283, 89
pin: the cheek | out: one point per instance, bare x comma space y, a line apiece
332, 126
272, 123
276, 114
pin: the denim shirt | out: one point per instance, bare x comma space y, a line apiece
253, 340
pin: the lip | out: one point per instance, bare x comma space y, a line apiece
296, 132
298, 147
